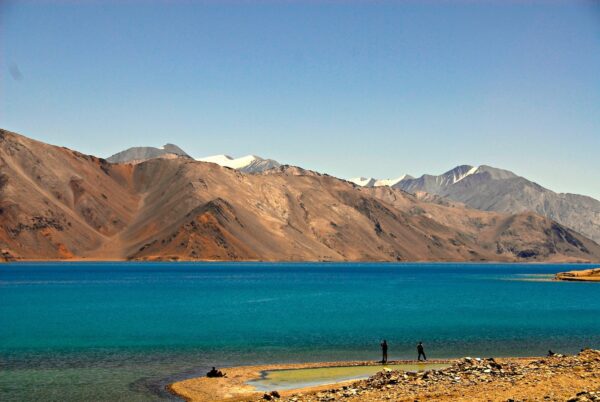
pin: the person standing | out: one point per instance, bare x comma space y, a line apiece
384, 348
421, 351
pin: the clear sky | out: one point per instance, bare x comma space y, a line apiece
371, 88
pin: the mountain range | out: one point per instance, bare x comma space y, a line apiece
491, 189
480, 187
57, 203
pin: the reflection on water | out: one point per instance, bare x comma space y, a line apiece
531, 278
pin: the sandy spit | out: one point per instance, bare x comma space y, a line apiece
585, 275
556, 378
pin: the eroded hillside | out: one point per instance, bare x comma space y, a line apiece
59, 204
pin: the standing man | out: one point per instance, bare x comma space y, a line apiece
421, 351
384, 348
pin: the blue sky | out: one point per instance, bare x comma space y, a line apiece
347, 88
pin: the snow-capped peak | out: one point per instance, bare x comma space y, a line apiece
471, 171
363, 181
222, 160
248, 163
455, 175
390, 182
246, 160
371, 182
212, 158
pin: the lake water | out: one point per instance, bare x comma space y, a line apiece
121, 331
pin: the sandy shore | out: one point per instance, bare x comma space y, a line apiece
234, 386
557, 378
586, 275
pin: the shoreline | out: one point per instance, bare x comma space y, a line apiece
584, 275
552, 378
235, 387
471, 262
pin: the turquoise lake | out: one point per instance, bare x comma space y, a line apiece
122, 331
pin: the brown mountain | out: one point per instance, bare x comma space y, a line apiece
60, 204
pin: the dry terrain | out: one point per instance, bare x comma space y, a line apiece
56, 203
557, 378
234, 387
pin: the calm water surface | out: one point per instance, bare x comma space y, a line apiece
121, 331
310, 377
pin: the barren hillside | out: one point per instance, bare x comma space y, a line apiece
59, 204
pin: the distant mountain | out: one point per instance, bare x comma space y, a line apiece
371, 182
140, 154
246, 164
491, 189
59, 204
440, 185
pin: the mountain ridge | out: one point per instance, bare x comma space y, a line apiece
68, 205
246, 164
492, 189
141, 154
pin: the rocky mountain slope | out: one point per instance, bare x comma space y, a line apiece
492, 189
60, 204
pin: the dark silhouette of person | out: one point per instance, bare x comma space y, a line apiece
421, 351
384, 348
215, 373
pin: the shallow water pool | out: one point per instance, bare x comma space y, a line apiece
309, 377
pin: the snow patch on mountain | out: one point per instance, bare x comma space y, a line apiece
363, 181
247, 164
371, 182
457, 174
391, 182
